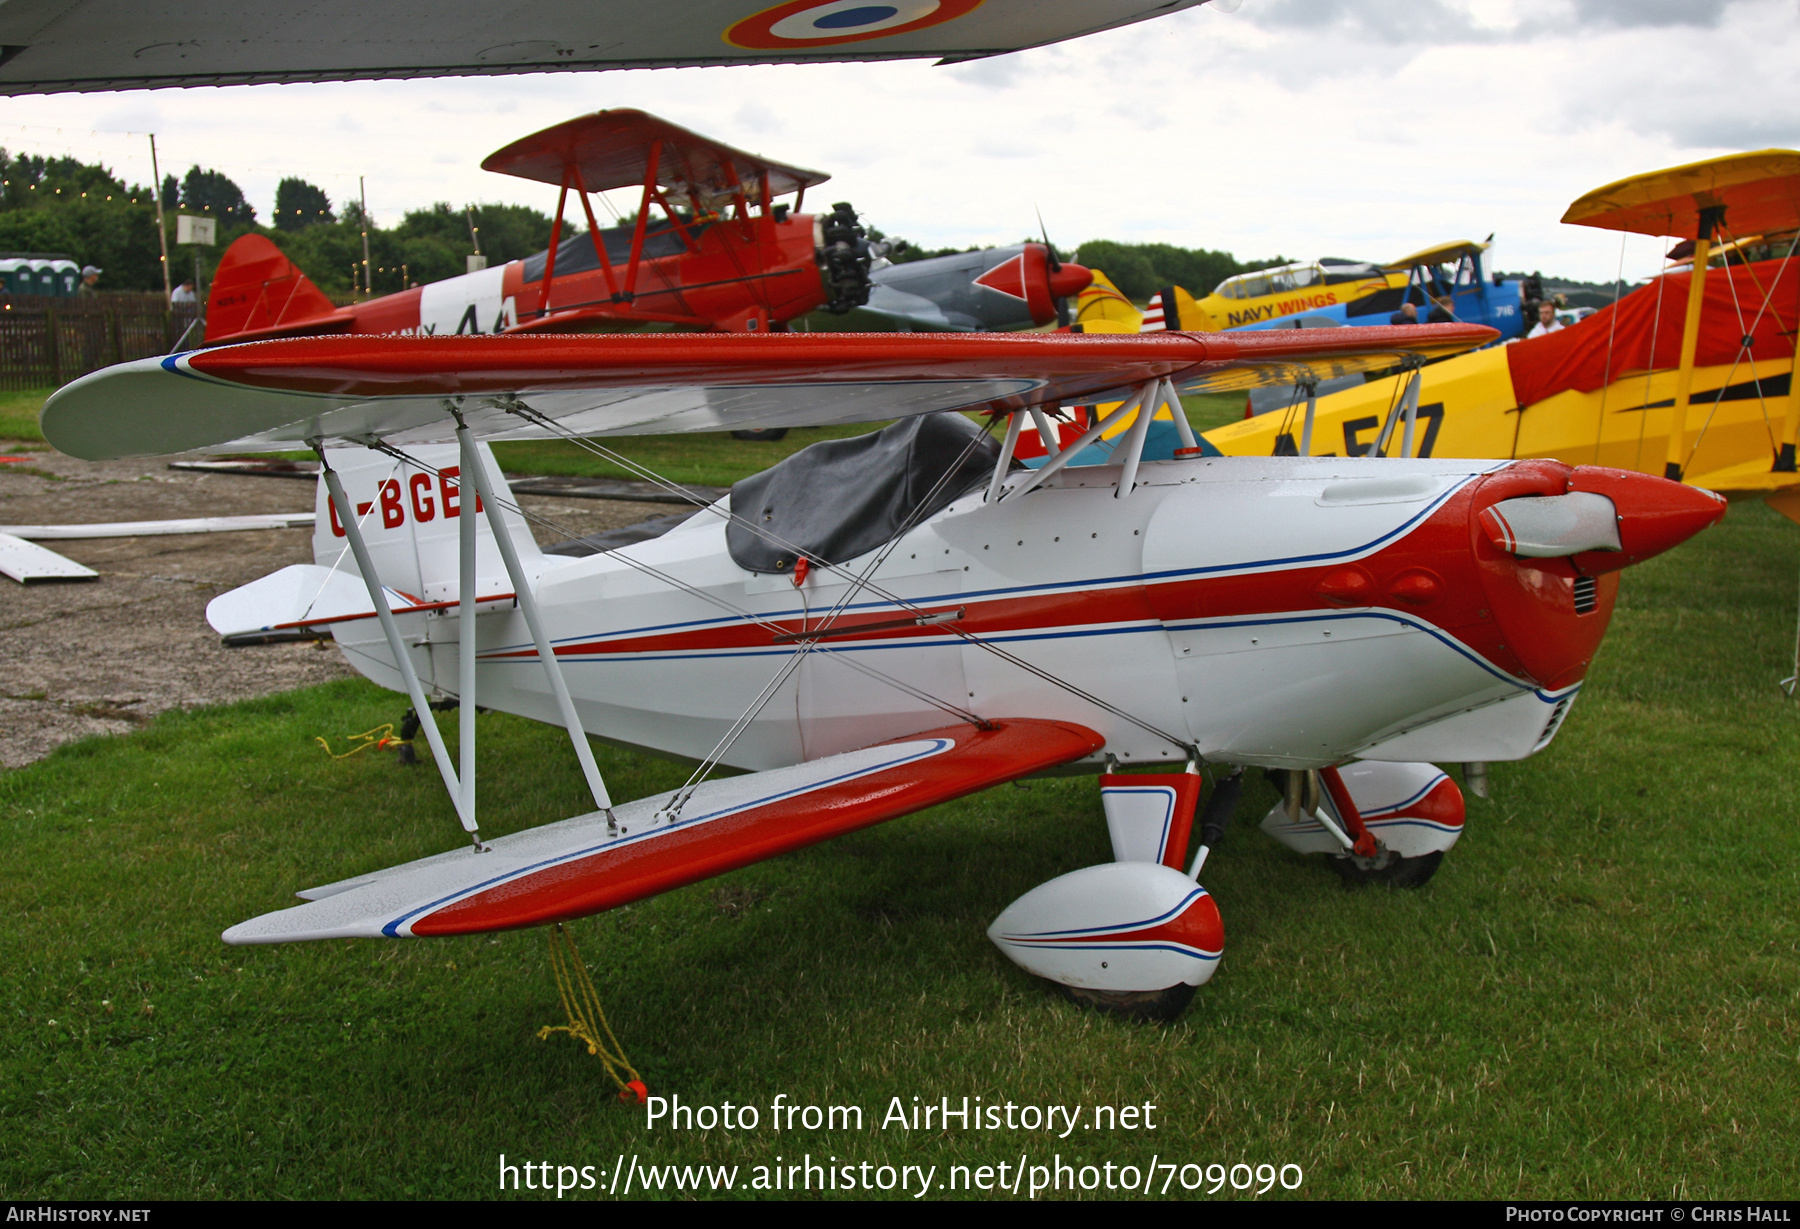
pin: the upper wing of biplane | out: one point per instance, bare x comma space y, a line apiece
1436, 254
1755, 193
622, 148
50, 46
281, 394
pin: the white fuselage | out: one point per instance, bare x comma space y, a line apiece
1186, 605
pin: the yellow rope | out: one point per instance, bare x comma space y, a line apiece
381, 738
586, 1020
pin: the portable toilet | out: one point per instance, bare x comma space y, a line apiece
53, 274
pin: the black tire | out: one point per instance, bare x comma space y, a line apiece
1139, 1005
1391, 870
770, 434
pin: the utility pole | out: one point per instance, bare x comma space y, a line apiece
363, 199
475, 261
162, 233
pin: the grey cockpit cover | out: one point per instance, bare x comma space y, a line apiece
842, 498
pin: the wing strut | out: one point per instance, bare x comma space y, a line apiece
402, 659
484, 491
467, 646
1069, 453
1311, 389
1406, 412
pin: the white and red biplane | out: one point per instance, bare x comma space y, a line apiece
884, 623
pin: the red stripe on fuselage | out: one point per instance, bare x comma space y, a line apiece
1473, 590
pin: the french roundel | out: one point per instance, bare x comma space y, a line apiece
800, 24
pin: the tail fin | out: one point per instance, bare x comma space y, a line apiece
258, 292
410, 519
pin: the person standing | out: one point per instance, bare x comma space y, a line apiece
90, 281
183, 293
1547, 321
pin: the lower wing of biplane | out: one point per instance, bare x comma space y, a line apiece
1145, 928
598, 861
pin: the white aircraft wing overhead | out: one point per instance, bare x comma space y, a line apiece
50, 46
410, 390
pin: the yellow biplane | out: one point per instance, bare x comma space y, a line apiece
1325, 292
1688, 376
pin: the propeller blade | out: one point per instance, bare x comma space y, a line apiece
1054, 262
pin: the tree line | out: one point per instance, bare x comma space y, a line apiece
65, 205
84, 210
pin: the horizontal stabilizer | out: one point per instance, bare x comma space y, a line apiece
302, 595
580, 866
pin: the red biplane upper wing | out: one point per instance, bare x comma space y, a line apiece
612, 149
581, 866
280, 394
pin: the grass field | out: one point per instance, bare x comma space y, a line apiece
19, 415
1599, 994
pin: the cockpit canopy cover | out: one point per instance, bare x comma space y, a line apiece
842, 498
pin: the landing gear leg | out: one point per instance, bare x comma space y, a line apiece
1133, 938
1383, 823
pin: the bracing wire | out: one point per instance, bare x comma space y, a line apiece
1662, 283
1744, 350
676, 582
1612, 331
971, 638
718, 753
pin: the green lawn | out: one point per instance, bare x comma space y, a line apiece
19, 415
1599, 994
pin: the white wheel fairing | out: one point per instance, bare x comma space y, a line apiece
1412, 809
1120, 926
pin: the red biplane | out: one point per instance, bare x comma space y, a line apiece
723, 256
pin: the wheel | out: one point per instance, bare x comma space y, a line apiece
1388, 868
768, 434
1143, 1005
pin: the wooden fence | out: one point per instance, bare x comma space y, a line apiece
46, 342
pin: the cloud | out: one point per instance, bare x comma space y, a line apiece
755, 117
1000, 72
1438, 23
1706, 14
1394, 22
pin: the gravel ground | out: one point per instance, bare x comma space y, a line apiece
102, 657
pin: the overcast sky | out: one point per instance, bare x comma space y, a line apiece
1356, 128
